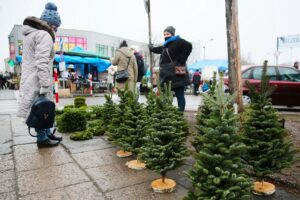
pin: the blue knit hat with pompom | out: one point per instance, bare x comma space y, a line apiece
50, 15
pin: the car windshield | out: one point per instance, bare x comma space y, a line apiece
271, 73
289, 74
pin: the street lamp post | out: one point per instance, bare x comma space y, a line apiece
204, 46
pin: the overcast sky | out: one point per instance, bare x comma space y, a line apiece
260, 22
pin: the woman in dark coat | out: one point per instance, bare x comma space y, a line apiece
174, 50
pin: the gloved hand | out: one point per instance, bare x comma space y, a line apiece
44, 90
150, 46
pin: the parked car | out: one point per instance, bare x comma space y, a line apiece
286, 79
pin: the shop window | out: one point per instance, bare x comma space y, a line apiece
102, 49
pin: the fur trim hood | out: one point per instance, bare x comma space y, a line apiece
36, 23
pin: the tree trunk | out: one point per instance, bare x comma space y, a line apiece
233, 48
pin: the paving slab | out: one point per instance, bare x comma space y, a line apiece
35, 160
83, 146
92, 159
111, 177
144, 192
27, 139
19, 127
5, 135
6, 162
7, 181
180, 177
83, 191
8, 196
32, 148
30, 182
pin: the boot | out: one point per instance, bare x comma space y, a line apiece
47, 143
54, 137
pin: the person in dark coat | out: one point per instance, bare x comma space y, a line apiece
196, 81
174, 50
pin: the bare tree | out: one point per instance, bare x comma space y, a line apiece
233, 47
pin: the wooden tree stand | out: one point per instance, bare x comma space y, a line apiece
136, 164
123, 154
163, 187
263, 188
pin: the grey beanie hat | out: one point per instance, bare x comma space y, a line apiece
50, 15
170, 29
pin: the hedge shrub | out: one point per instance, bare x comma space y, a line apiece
72, 120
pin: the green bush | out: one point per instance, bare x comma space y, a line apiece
59, 112
97, 130
96, 111
79, 102
72, 120
94, 123
69, 106
96, 127
81, 135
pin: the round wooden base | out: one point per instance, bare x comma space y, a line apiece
135, 164
168, 186
123, 154
263, 188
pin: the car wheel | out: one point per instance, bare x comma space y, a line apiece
246, 99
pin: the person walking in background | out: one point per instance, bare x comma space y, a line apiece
196, 81
125, 59
174, 50
38, 55
140, 63
296, 65
111, 71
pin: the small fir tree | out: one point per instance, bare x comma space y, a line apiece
219, 171
108, 111
269, 149
117, 119
204, 110
166, 131
131, 129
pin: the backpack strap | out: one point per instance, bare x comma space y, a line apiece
30, 133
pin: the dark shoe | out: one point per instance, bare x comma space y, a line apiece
47, 143
53, 137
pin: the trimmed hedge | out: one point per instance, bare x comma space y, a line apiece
82, 135
72, 120
79, 102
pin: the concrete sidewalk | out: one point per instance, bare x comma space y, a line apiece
77, 170
86, 170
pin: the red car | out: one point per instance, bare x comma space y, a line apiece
286, 80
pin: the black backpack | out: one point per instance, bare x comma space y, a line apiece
42, 114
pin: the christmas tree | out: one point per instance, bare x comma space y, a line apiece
205, 109
166, 131
219, 169
117, 119
269, 150
131, 129
108, 111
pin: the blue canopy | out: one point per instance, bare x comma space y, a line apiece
101, 64
221, 64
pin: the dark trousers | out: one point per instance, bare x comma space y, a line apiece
179, 92
196, 86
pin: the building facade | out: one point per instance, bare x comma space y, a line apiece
103, 44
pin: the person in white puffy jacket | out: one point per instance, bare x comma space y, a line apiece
37, 64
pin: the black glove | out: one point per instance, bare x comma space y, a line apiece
150, 46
